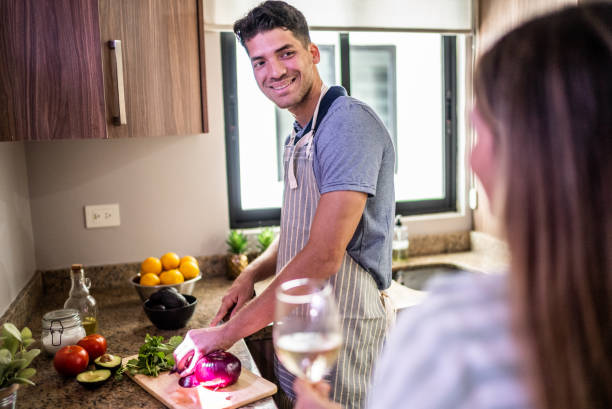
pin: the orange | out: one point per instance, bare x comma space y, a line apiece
189, 258
151, 265
189, 269
171, 277
149, 279
170, 261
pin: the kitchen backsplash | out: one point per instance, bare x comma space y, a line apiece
111, 276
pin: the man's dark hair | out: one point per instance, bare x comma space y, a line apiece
270, 15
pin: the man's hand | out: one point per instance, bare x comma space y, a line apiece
241, 291
197, 343
313, 395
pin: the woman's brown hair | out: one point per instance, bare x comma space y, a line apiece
545, 90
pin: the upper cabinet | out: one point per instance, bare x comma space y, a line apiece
101, 69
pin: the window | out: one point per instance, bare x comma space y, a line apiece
409, 79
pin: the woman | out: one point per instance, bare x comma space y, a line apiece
540, 336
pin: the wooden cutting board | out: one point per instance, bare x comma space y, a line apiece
166, 389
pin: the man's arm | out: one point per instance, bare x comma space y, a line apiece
337, 216
242, 289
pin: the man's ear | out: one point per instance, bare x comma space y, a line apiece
314, 51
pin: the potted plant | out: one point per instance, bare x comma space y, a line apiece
236, 260
15, 358
264, 239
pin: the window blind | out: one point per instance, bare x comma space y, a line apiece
402, 15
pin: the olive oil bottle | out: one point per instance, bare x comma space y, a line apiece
81, 300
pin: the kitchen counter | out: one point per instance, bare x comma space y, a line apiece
124, 324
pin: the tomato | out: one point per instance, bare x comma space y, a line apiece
94, 344
71, 360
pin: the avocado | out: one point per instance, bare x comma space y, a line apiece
93, 379
174, 300
108, 361
156, 297
167, 298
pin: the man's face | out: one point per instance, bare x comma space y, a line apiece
284, 69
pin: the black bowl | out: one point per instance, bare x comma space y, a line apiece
174, 318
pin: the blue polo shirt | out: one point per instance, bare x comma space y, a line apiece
354, 151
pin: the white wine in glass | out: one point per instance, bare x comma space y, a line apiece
307, 335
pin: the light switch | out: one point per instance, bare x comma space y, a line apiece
106, 215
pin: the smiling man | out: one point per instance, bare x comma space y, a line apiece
338, 207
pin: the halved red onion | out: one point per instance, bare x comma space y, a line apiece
218, 370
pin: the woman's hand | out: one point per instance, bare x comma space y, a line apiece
313, 395
197, 343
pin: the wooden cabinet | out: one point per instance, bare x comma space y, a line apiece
51, 72
58, 75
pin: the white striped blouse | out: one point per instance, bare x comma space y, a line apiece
455, 350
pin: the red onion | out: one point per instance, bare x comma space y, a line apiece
218, 370
189, 381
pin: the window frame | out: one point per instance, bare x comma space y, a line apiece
449, 117
240, 218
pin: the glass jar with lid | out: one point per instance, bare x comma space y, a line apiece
61, 328
81, 300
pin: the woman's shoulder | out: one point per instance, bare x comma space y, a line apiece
455, 290
458, 342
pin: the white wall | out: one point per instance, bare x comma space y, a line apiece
171, 191
17, 264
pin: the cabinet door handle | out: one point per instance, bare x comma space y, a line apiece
119, 117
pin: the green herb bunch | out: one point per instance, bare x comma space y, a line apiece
237, 242
15, 357
264, 239
154, 356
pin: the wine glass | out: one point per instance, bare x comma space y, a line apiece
307, 335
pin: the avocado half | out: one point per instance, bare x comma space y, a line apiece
93, 379
168, 297
108, 361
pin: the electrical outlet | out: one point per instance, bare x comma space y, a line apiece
106, 215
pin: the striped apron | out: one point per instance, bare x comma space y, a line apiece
362, 310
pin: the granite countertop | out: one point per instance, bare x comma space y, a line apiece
124, 324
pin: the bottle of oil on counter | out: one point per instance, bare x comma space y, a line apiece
400, 240
81, 300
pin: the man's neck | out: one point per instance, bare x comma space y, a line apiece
303, 114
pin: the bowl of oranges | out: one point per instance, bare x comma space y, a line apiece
169, 270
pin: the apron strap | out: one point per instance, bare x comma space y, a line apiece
328, 96
292, 179
291, 168
390, 310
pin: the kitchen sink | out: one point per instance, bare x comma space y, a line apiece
416, 277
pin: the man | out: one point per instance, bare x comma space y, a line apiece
338, 206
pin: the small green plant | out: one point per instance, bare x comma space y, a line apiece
237, 242
264, 239
15, 356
